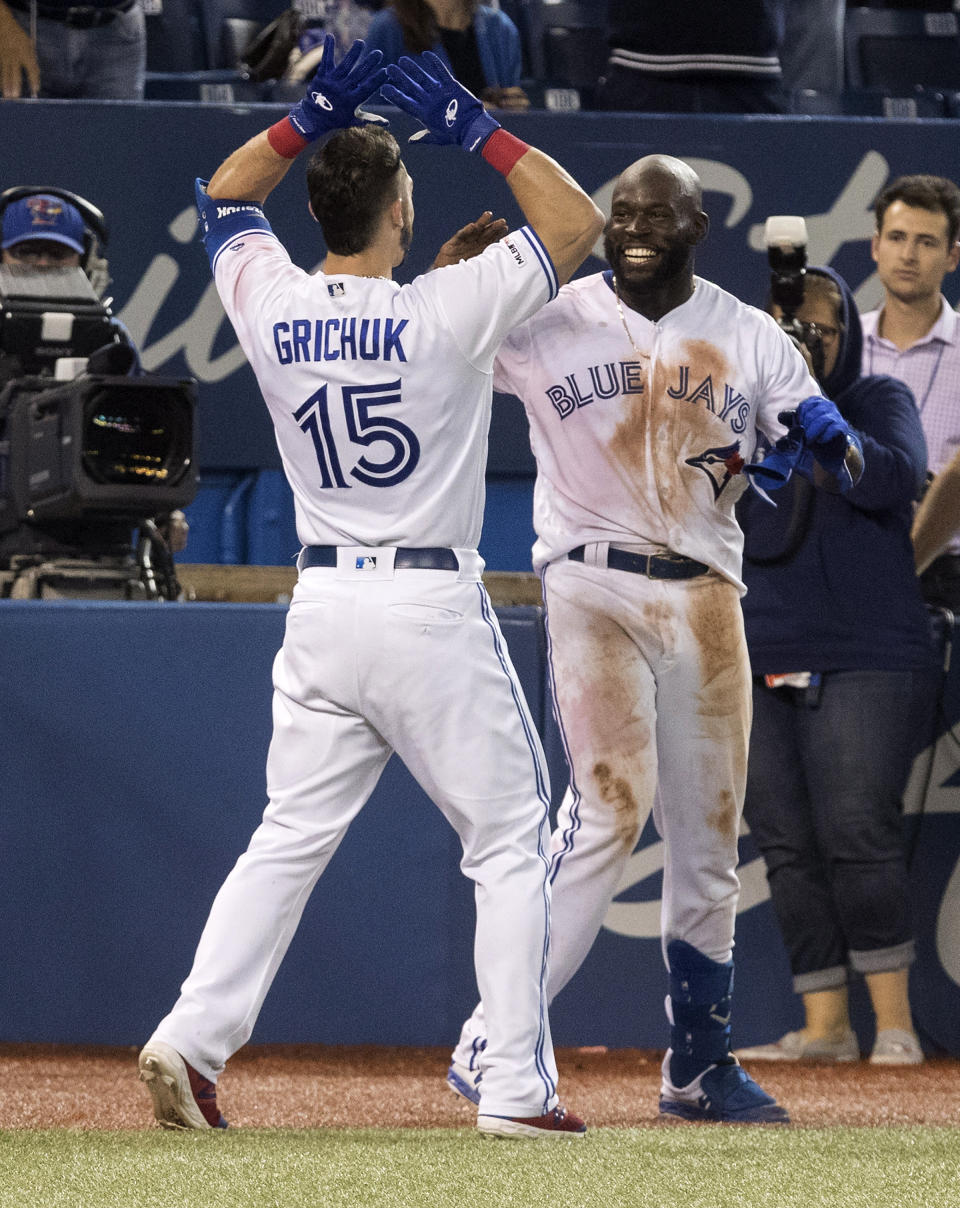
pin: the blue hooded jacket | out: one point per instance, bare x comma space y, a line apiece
831, 581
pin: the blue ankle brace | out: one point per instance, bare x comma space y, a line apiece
700, 999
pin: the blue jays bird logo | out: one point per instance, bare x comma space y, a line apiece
719, 465
44, 211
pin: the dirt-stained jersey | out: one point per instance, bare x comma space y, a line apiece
640, 433
380, 394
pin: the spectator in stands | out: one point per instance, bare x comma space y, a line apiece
812, 52
54, 48
697, 59
915, 335
844, 676
480, 44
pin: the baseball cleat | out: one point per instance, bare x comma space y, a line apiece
796, 1047
893, 1046
182, 1098
722, 1094
465, 1082
552, 1124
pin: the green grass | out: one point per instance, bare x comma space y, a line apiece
678, 1167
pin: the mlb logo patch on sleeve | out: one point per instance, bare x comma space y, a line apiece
514, 251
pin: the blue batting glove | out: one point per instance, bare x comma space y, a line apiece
450, 112
337, 90
834, 445
824, 428
775, 469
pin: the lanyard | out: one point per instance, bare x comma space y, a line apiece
933, 373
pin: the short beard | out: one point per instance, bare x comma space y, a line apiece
673, 263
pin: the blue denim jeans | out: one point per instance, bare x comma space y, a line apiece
825, 780
106, 63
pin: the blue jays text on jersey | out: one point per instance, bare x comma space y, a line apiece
627, 377
334, 339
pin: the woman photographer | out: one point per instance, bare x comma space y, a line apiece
844, 680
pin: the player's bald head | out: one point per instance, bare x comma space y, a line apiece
655, 224
663, 171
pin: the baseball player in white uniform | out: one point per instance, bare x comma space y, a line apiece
380, 396
645, 388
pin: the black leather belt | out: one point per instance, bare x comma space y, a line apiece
433, 558
676, 566
80, 16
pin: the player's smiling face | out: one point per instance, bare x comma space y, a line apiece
653, 227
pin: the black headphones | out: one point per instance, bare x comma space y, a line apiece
93, 262
93, 218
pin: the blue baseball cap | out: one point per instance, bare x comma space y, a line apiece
43, 216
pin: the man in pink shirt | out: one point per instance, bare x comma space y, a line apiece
915, 335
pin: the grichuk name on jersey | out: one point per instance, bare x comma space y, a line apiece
347, 339
627, 377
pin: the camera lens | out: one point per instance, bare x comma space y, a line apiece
129, 439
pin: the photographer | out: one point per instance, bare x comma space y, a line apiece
843, 681
47, 236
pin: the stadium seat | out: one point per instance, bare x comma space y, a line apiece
212, 87
179, 66
567, 46
871, 102
205, 515
175, 40
899, 49
271, 529
228, 26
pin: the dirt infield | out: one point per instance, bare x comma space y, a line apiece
54, 1086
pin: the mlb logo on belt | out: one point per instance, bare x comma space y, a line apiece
365, 562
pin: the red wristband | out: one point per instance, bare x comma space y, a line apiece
502, 150
285, 140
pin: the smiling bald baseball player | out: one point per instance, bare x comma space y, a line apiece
380, 396
645, 388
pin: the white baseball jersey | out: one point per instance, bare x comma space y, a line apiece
646, 447
380, 394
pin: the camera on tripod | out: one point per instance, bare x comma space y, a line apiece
785, 236
88, 454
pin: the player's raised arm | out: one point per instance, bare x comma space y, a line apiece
563, 216
331, 102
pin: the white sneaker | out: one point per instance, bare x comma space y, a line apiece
795, 1047
893, 1046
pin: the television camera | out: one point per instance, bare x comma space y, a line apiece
91, 457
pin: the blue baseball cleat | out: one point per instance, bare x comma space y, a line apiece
464, 1082
722, 1094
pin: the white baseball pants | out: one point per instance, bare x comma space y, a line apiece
375, 661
